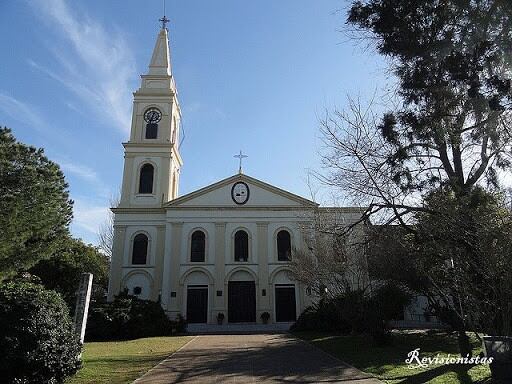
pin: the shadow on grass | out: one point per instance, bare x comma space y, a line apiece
127, 359
388, 362
425, 376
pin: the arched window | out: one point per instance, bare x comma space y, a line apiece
241, 246
284, 245
151, 131
197, 247
146, 179
140, 249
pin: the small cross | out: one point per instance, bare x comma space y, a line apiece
240, 156
164, 21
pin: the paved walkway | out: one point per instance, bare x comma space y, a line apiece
265, 359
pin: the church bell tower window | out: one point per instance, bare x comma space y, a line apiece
140, 249
146, 179
152, 117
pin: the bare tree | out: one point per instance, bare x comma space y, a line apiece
333, 261
106, 230
361, 161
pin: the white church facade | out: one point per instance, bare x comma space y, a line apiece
224, 248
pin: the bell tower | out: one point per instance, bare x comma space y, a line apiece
152, 160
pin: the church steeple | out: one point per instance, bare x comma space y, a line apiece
161, 59
152, 158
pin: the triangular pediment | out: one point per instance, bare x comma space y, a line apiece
260, 194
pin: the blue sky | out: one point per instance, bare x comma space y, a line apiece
251, 75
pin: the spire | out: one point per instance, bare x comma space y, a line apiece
160, 60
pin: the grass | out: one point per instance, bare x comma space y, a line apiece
388, 363
119, 362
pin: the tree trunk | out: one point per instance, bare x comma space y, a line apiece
464, 344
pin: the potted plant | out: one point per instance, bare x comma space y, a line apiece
265, 316
220, 318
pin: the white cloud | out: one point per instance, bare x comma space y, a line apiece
81, 171
89, 216
87, 174
22, 112
98, 68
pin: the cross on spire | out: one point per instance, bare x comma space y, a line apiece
240, 156
164, 21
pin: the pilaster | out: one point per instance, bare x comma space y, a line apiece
116, 263
264, 301
175, 299
220, 302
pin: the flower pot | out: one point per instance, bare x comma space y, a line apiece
500, 349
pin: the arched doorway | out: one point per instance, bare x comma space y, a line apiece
241, 297
196, 285
285, 299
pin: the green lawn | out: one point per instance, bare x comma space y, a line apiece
387, 363
119, 362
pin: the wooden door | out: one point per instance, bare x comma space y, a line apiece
241, 301
285, 303
197, 303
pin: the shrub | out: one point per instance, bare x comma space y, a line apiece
323, 316
179, 325
356, 312
37, 339
128, 317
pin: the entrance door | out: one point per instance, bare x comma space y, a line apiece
241, 301
285, 303
197, 303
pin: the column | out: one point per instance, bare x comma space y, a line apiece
171, 285
159, 263
263, 301
220, 261
116, 264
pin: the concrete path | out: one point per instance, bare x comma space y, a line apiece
262, 359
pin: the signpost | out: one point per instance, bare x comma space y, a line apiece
82, 304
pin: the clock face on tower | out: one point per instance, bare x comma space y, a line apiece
152, 115
240, 192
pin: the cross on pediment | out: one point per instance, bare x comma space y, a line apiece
240, 157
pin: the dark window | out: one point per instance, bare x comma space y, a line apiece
241, 246
151, 130
284, 246
140, 249
197, 247
137, 290
146, 179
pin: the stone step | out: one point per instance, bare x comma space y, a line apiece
237, 328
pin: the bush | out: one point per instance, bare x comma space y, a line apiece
37, 339
323, 316
355, 312
128, 317
179, 325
